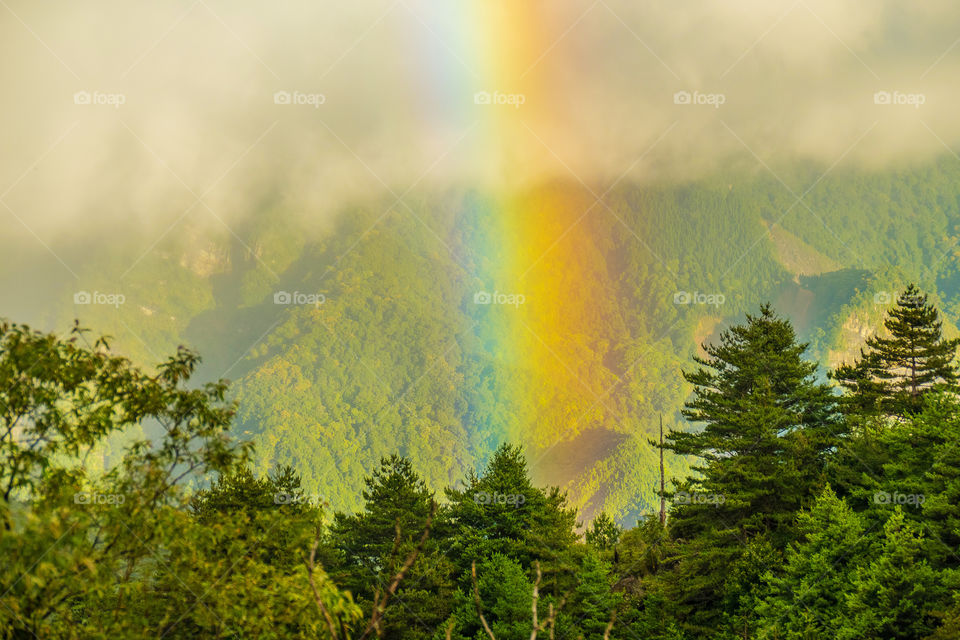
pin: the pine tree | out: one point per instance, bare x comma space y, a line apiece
808, 598
594, 601
861, 404
604, 533
895, 595
501, 511
395, 498
504, 593
259, 503
373, 544
769, 428
895, 372
923, 466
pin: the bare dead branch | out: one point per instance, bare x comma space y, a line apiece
536, 596
613, 618
476, 599
311, 567
380, 605
552, 619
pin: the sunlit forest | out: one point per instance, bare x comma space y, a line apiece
398, 360
480, 320
813, 509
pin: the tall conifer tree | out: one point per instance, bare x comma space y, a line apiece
894, 373
769, 426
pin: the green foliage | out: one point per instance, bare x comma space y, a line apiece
502, 512
273, 516
372, 545
178, 535
914, 463
894, 374
593, 599
505, 593
121, 554
604, 533
892, 596
769, 427
808, 598
398, 287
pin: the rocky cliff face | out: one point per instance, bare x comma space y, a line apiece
855, 330
206, 259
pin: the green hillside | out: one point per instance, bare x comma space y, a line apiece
391, 357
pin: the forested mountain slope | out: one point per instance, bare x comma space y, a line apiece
394, 353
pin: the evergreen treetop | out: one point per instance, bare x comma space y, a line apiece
895, 372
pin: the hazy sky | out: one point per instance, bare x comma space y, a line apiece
183, 112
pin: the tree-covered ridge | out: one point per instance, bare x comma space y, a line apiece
398, 358
807, 513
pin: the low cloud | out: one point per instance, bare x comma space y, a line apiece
212, 110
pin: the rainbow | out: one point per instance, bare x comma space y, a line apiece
539, 255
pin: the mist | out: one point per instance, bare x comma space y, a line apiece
168, 113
